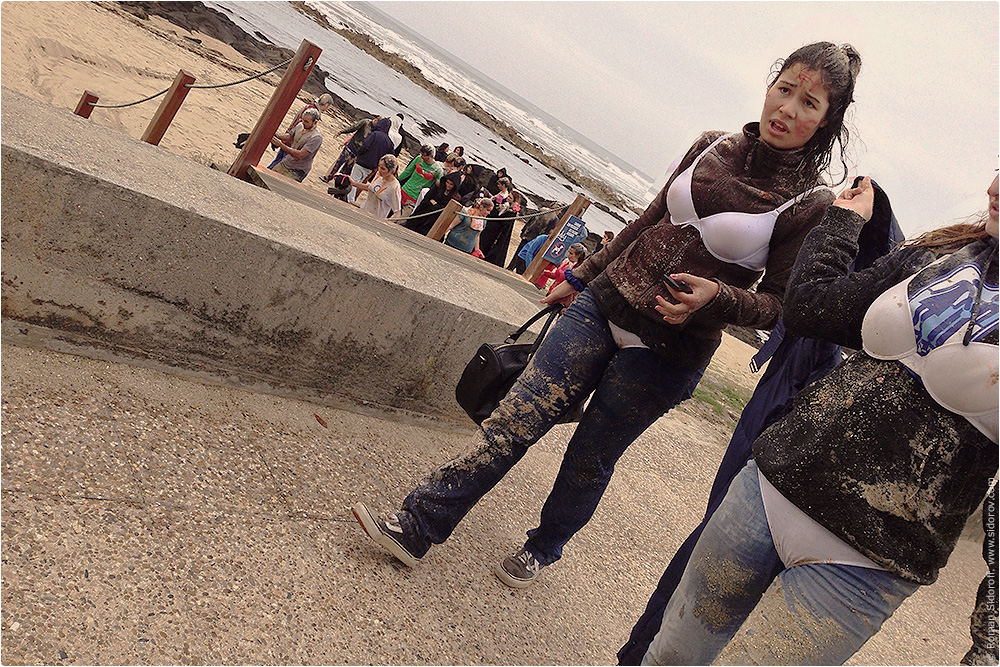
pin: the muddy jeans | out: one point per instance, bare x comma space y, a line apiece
812, 614
632, 388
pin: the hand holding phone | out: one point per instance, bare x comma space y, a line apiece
678, 285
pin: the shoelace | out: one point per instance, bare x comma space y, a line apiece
392, 523
529, 561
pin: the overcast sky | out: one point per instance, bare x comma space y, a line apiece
643, 79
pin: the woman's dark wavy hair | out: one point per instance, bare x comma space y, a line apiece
839, 67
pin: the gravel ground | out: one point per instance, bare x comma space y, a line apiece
148, 519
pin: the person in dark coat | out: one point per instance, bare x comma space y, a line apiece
795, 363
467, 181
495, 239
442, 153
492, 186
349, 149
422, 218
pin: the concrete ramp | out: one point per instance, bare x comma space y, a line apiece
113, 248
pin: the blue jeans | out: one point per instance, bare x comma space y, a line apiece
632, 387
736, 589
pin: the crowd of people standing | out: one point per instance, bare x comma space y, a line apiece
367, 159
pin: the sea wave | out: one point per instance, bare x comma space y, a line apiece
369, 84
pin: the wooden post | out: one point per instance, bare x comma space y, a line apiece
539, 263
86, 104
281, 101
440, 227
168, 108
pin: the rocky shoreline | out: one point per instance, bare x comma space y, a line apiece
196, 17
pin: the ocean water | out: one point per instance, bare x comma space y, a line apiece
370, 85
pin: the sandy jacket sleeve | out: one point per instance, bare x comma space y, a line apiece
822, 300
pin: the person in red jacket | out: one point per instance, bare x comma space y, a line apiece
557, 274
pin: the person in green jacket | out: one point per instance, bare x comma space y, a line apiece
422, 172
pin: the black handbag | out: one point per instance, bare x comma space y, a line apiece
496, 367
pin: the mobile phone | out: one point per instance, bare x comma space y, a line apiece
678, 285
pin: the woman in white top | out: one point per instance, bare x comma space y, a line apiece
383, 189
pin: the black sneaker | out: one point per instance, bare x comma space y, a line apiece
518, 569
387, 532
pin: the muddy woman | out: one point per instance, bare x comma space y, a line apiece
858, 495
736, 207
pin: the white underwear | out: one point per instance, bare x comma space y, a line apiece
799, 539
625, 338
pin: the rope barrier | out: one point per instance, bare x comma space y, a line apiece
129, 104
249, 78
279, 66
190, 85
479, 217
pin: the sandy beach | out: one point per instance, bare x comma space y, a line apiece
53, 51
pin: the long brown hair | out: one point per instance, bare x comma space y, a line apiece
952, 237
839, 67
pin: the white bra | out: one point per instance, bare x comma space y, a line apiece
732, 237
924, 331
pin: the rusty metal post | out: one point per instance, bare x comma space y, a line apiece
281, 101
86, 104
539, 263
440, 227
168, 108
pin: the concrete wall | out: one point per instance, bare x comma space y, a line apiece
115, 248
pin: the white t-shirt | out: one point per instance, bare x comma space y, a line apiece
383, 197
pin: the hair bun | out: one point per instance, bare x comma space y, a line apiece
853, 59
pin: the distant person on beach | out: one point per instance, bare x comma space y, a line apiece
349, 149
322, 104
383, 199
463, 234
375, 145
792, 364
538, 225
858, 495
422, 219
300, 145
557, 274
608, 237
441, 153
492, 186
458, 152
495, 239
423, 171
635, 341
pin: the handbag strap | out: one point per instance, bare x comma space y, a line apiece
552, 310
